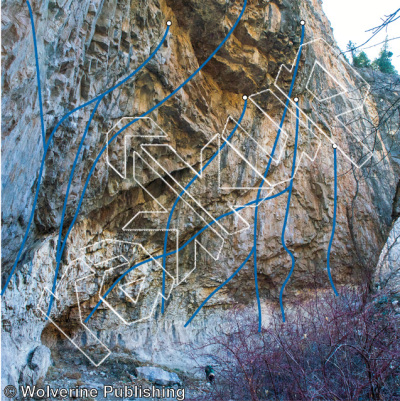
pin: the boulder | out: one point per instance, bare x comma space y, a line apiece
37, 366
158, 376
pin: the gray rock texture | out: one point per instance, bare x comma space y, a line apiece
85, 47
158, 376
388, 270
37, 366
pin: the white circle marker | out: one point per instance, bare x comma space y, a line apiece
169, 23
296, 99
302, 22
244, 97
334, 146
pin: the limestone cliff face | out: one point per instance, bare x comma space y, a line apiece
84, 48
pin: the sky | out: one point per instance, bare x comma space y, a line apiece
351, 18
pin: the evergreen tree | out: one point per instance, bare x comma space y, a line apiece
384, 62
361, 60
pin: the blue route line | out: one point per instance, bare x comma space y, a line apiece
219, 287
183, 192
71, 176
37, 74
181, 248
287, 213
328, 267
253, 250
265, 175
143, 115
60, 251
48, 145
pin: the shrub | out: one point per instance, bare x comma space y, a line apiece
330, 348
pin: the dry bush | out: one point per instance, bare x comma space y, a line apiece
330, 348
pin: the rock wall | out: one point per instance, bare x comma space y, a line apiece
84, 48
388, 271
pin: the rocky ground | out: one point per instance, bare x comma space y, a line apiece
70, 369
